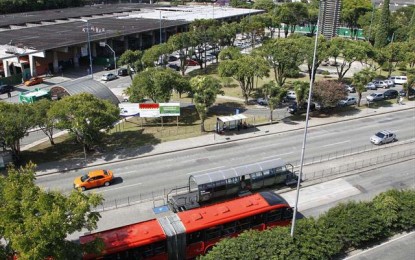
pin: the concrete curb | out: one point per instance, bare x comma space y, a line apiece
266, 133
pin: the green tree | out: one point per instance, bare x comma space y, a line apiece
383, 32
352, 10
345, 52
254, 26
274, 94
227, 34
301, 89
360, 80
411, 33
133, 60
395, 53
244, 69
41, 118
34, 222
157, 53
84, 116
312, 16
15, 122
204, 90
266, 5
307, 47
329, 92
181, 42
292, 14
156, 84
282, 55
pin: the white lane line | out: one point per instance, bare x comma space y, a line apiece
276, 156
121, 187
348, 141
191, 173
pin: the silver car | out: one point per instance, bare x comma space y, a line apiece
348, 102
375, 97
383, 137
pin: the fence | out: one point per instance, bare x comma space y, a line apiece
161, 194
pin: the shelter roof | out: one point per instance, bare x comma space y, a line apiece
219, 175
232, 118
91, 86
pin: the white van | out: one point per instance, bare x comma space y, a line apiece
399, 80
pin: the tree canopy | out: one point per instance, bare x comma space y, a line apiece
35, 223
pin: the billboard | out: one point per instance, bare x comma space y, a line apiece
149, 109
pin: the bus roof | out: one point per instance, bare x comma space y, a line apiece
126, 237
217, 214
237, 171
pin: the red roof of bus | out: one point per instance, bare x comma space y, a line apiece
126, 237
213, 215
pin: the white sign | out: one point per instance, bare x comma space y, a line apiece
129, 109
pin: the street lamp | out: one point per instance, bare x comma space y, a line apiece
306, 126
103, 44
89, 47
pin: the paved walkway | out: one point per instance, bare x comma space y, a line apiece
214, 139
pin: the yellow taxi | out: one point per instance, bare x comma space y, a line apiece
93, 179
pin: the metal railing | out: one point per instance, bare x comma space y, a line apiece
161, 194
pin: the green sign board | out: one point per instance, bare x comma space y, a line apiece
169, 109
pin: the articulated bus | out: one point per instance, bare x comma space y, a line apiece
188, 234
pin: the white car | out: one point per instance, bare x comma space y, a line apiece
108, 77
262, 101
291, 95
348, 102
399, 80
383, 137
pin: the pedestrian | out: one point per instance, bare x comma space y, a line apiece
400, 100
9, 94
397, 99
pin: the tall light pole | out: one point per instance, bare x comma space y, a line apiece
89, 47
103, 44
306, 127
160, 28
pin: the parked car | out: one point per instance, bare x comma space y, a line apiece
108, 77
375, 97
350, 88
109, 66
123, 72
348, 102
391, 83
192, 63
93, 179
33, 81
172, 58
371, 86
6, 89
411, 92
295, 109
174, 67
380, 84
291, 95
390, 93
262, 101
383, 137
399, 80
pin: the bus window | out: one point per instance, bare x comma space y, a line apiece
194, 237
269, 177
288, 213
243, 224
257, 180
229, 229
232, 185
257, 219
220, 185
213, 233
274, 215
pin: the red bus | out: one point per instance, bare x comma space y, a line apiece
187, 234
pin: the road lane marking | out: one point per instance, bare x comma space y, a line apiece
276, 156
191, 173
121, 187
348, 141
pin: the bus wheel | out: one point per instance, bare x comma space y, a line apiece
207, 250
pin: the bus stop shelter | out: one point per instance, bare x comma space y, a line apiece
229, 122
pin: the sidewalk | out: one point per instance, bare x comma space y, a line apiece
213, 139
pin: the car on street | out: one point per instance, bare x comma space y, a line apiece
93, 179
380, 84
262, 101
33, 81
109, 66
375, 97
411, 92
399, 80
192, 62
172, 58
350, 88
293, 108
348, 102
391, 83
123, 72
383, 137
173, 67
390, 94
371, 86
108, 77
6, 89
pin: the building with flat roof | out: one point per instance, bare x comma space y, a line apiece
37, 42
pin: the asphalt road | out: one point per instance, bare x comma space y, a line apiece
144, 175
